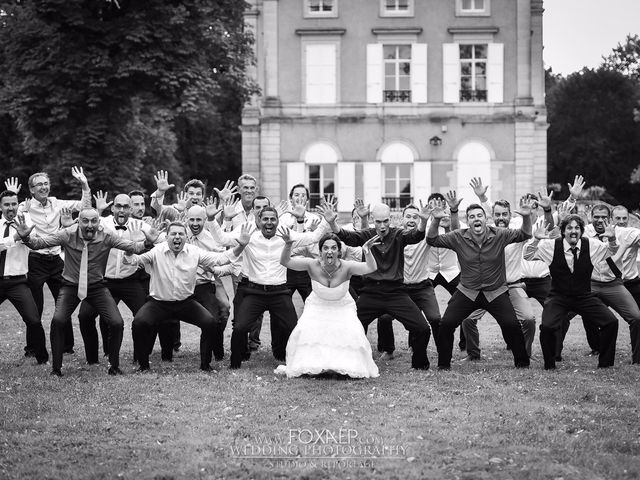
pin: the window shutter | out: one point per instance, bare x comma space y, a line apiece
421, 182
346, 178
374, 73
451, 73
320, 73
495, 73
296, 173
419, 73
372, 179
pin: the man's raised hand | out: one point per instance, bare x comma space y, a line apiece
21, 226
12, 184
526, 205
479, 189
363, 210
245, 234
545, 200
575, 190
162, 181
101, 201
78, 174
452, 200
299, 208
228, 191
66, 217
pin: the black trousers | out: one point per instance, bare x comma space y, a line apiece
450, 287
101, 300
17, 292
254, 303
378, 298
300, 282
155, 313
47, 269
129, 290
634, 289
592, 311
424, 297
538, 288
205, 294
460, 306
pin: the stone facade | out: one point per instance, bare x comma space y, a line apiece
393, 100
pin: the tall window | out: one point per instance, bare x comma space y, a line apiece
399, 8
397, 73
321, 8
322, 181
397, 185
473, 73
320, 73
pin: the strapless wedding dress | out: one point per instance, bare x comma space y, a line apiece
329, 337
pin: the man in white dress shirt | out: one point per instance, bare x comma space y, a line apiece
264, 284
14, 257
571, 259
209, 291
46, 265
173, 268
607, 281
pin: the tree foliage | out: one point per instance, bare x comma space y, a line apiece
118, 87
592, 131
625, 58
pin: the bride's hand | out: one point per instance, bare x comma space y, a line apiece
366, 247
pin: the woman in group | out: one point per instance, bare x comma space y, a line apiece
329, 338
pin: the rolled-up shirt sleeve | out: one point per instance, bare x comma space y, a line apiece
543, 251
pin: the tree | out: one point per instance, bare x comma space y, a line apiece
625, 58
107, 85
592, 131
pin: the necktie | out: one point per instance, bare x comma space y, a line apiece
3, 254
84, 272
574, 251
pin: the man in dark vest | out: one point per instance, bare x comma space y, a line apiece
571, 259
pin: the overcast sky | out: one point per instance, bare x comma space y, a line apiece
578, 33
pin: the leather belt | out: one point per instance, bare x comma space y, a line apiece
266, 288
14, 277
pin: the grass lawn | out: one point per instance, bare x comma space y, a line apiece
481, 420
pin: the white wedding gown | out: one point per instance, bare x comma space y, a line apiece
329, 337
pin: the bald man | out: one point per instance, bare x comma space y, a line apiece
383, 291
124, 282
83, 278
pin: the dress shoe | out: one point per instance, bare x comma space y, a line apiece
57, 372
114, 371
205, 368
143, 368
69, 350
470, 358
386, 356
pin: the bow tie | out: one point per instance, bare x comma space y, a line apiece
121, 227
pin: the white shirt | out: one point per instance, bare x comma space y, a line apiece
261, 257
598, 251
627, 255
116, 269
17, 260
173, 277
46, 218
416, 258
533, 268
601, 270
442, 261
205, 241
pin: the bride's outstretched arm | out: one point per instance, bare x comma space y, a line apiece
296, 263
370, 265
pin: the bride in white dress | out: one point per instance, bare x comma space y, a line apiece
329, 337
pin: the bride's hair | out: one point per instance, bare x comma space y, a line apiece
334, 237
